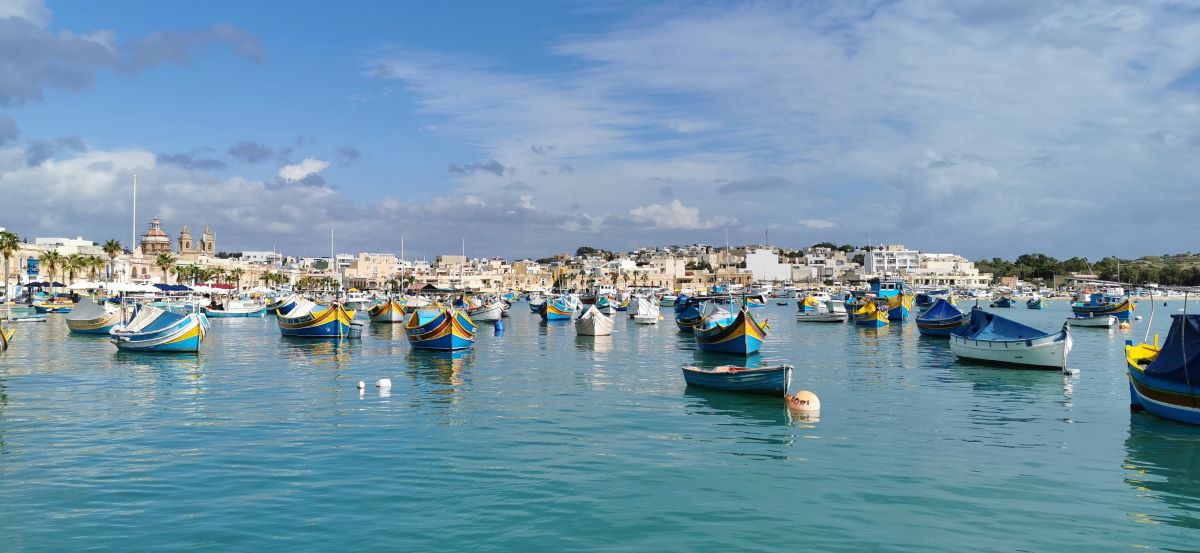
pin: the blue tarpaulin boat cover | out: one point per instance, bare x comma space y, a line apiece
987, 326
940, 311
1179, 359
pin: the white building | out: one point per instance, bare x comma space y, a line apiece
947, 269
68, 246
894, 258
264, 258
764, 265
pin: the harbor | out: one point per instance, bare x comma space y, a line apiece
262, 440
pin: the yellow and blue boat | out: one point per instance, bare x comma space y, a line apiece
557, 309
283, 305
440, 328
390, 311
899, 306
1165, 381
155, 330
1101, 304
314, 320
737, 334
810, 304
867, 314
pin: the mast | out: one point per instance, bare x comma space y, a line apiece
133, 220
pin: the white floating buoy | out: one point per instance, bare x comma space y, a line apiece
383, 383
361, 385
1137, 317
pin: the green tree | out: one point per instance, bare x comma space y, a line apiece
165, 262
9, 244
112, 248
51, 260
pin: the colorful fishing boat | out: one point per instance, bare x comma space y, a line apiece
739, 334
440, 328
156, 330
755, 301
941, 319
283, 305
810, 304
867, 314
389, 311
1165, 381
236, 308
89, 317
1035, 303
561, 308
1003, 302
55, 305
605, 305
769, 381
993, 339
687, 313
1102, 304
899, 306
485, 312
314, 320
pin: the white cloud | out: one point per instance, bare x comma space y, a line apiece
816, 224
674, 215
298, 171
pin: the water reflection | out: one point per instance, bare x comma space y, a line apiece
759, 410
303, 351
709, 360
445, 368
1162, 463
601, 344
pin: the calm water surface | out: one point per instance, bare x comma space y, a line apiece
539, 440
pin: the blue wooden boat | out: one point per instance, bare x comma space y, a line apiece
688, 313
440, 328
155, 330
769, 381
557, 309
1101, 304
536, 305
314, 320
734, 334
89, 317
1003, 302
941, 320
923, 300
1165, 381
899, 306
1034, 303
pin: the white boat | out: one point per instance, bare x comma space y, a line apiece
668, 300
641, 305
993, 339
593, 323
358, 301
488, 312
1102, 321
646, 318
89, 317
830, 311
237, 308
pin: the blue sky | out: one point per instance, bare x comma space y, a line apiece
529, 128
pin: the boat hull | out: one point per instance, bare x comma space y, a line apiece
594, 323
814, 317
100, 325
1121, 310
487, 313
447, 330
328, 322
184, 336
742, 336
769, 381
1100, 321
224, 313
1035, 304
389, 311
1048, 352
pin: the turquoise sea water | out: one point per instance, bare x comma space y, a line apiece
539, 440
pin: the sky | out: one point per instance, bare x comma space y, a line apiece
530, 128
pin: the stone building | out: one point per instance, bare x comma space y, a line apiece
155, 240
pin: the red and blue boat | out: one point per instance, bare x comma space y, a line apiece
440, 328
737, 334
1165, 381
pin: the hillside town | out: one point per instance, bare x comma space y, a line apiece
159, 259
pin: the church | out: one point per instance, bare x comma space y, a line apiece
156, 241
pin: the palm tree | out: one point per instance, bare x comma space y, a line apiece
51, 260
165, 261
112, 248
9, 244
94, 265
392, 284
73, 265
236, 274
